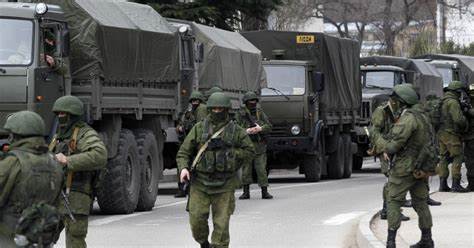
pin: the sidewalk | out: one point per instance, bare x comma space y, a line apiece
453, 224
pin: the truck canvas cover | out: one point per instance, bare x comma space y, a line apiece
423, 75
120, 41
337, 58
229, 60
466, 64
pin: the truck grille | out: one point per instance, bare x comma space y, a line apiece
365, 110
280, 130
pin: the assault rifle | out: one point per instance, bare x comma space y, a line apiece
67, 205
465, 101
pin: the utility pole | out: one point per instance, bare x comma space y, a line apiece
441, 19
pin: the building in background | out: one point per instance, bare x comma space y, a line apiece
455, 21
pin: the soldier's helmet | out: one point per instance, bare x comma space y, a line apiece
196, 95
69, 104
406, 93
250, 95
218, 100
456, 85
212, 91
25, 123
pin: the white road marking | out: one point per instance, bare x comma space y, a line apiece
115, 218
343, 218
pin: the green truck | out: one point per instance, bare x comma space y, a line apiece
312, 98
452, 67
133, 70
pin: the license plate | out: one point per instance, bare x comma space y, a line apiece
305, 39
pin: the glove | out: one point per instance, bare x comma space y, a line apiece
215, 144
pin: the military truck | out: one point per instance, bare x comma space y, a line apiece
131, 68
312, 98
379, 74
452, 67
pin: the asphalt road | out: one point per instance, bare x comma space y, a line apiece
323, 214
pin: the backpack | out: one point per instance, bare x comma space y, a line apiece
38, 225
433, 110
428, 159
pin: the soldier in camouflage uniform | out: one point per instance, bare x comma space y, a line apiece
452, 127
79, 149
28, 174
196, 112
405, 140
217, 146
382, 121
211, 91
256, 123
469, 143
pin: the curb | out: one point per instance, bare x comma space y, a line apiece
365, 236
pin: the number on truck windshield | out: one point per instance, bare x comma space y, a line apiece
290, 80
16, 42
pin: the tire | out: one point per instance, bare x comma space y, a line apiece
312, 168
336, 159
121, 183
150, 162
357, 162
347, 156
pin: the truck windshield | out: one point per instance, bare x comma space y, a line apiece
380, 79
289, 80
447, 74
16, 42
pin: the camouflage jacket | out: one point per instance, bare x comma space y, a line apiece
216, 171
191, 117
246, 119
470, 118
28, 175
382, 121
404, 141
84, 162
453, 120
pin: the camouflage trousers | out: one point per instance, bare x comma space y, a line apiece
222, 206
397, 191
76, 232
469, 157
450, 148
260, 165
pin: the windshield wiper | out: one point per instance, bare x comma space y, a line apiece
279, 92
377, 87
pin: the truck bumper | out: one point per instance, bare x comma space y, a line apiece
292, 144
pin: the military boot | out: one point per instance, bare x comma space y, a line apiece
392, 233
407, 204
432, 202
383, 212
470, 186
426, 240
265, 194
205, 244
404, 217
246, 194
457, 188
443, 185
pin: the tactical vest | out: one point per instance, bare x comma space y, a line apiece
216, 167
447, 122
39, 180
189, 120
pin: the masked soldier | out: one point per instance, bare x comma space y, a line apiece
407, 137
29, 175
382, 121
217, 147
256, 123
452, 126
79, 149
196, 112
469, 143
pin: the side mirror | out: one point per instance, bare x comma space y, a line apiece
200, 53
318, 81
65, 43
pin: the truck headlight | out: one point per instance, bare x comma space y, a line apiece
41, 8
295, 130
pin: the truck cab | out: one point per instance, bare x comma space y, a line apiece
449, 70
33, 47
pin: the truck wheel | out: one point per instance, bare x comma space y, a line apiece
347, 156
336, 160
312, 168
121, 183
357, 162
150, 162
